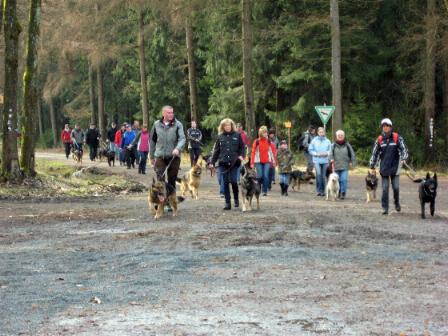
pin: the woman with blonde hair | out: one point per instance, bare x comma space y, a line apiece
228, 151
263, 157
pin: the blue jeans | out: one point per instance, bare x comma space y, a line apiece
284, 178
229, 177
142, 163
263, 175
343, 179
220, 181
271, 175
114, 149
395, 187
321, 168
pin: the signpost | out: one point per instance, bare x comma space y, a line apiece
288, 125
325, 113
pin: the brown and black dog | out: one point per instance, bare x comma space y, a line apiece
296, 177
77, 155
161, 194
371, 186
191, 181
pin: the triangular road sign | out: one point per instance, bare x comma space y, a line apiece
325, 112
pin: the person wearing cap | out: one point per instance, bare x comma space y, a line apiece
285, 161
308, 136
392, 152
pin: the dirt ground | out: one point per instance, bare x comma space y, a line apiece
299, 266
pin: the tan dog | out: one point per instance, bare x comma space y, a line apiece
371, 186
159, 196
191, 181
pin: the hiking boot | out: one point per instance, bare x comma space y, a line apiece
227, 206
342, 195
385, 212
398, 207
237, 203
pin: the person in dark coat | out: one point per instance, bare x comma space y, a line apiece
93, 141
194, 137
229, 152
392, 152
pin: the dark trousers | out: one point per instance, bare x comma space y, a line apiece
395, 181
194, 155
229, 177
171, 174
142, 163
93, 152
67, 147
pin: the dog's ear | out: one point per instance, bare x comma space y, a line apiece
428, 176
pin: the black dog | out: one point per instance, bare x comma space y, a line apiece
427, 193
109, 155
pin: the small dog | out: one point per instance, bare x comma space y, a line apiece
109, 155
427, 193
161, 194
191, 181
77, 155
332, 189
371, 186
296, 177
250, 187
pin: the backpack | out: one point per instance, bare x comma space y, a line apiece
300, 141
394, 136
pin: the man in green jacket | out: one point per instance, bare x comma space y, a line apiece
167, 142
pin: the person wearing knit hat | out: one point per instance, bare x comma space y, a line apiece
390, 149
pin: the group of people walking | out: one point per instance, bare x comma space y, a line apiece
166, 140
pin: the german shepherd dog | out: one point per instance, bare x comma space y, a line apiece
371, 186
161, 194
77, 154
427, 193
191, 181
250, 187
108, 154
296, 177
208, 159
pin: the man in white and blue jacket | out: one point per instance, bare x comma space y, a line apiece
320, 148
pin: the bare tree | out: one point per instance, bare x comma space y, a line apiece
30, 91
141, 53
247, 67
54, 128
191, 67
430, 74
10, 166
93, 117
336, 65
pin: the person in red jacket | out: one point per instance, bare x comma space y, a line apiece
117, 142
66, 139
263, 157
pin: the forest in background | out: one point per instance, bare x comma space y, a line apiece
113, 60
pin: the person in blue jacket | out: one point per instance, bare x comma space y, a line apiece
320, 148
126, 145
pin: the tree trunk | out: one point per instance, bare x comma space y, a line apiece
10, 167
336, 65
191, 69
30, 91
101, 115
93, 117
54, 127
1, 16
430, 76
445, 106
141, 52
247, 68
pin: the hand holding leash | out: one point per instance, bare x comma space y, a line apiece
175, 152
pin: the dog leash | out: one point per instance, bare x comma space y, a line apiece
168, 166
332, 167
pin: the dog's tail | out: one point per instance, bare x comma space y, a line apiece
180, 199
